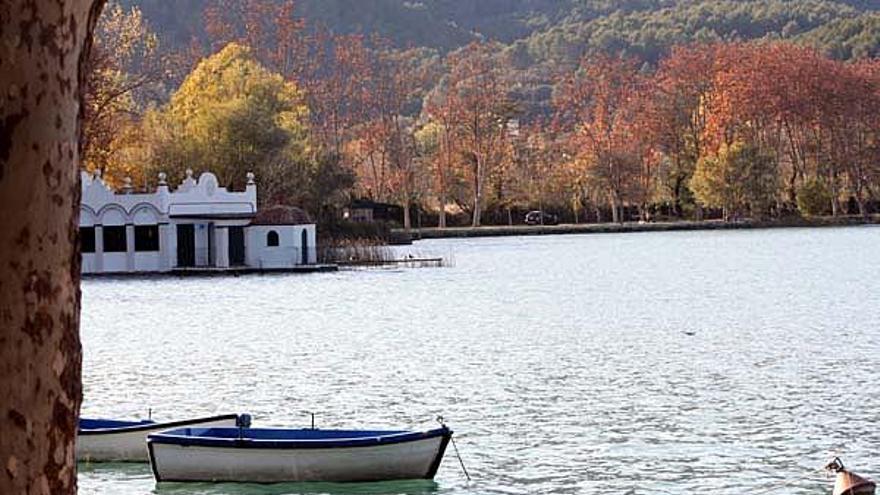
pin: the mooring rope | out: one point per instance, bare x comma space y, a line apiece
460, 461
454, 446
775, 487
787, 484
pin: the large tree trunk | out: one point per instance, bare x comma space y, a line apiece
443, 169
615, 209
835, 194
678, 190
407, 222
43, 47
478, 194
859, 193
442, 222
863, 207
442, 198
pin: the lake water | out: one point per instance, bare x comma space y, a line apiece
695, 362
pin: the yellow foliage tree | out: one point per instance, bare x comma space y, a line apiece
740, 176
231, 116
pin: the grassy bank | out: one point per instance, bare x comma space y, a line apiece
612, 228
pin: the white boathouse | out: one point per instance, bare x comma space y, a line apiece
197, 226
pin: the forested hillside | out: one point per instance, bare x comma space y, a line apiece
540, 38
564, 29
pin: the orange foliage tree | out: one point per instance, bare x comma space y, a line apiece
676, 120
601, 107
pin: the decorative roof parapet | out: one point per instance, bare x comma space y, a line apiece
203, 196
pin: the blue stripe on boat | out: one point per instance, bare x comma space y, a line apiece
102, 424
271, 438
110, 426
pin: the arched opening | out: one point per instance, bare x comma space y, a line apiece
304, 257
114, 233
146, 229
272, 239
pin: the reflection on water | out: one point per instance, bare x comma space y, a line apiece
386, 488
707, 362
124, 477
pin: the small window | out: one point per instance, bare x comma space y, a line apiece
87, 239
272, 239
146, 237
114, 239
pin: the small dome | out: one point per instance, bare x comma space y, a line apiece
281, 215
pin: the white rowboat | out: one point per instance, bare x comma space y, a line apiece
105, 440
262, 455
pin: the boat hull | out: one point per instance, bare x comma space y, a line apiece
416, 459
852, 484
128, 444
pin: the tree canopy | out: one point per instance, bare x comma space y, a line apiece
231, 116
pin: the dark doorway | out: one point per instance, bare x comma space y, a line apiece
305, 247
236, 246
186, 245
210, 260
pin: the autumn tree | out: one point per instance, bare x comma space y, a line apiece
857, 129
440, 147
540, 176
815, 114
359, 90
479, 109
333, 70
232, 116
792, 94
794, 82
396, 84
676, 118
530, 168
740, 176
370, 160
271, 29
336, 84
600, 107
813, 197
46, 45
124, 64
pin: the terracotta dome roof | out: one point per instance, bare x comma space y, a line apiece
281, 215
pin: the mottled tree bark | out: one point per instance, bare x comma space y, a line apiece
43, 44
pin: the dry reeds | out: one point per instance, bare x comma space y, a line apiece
355, 251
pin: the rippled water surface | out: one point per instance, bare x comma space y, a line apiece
700, 362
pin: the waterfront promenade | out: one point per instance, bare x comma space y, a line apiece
614, 228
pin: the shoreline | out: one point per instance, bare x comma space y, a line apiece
629, 227
215, 272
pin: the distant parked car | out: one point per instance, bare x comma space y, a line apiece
538, 217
